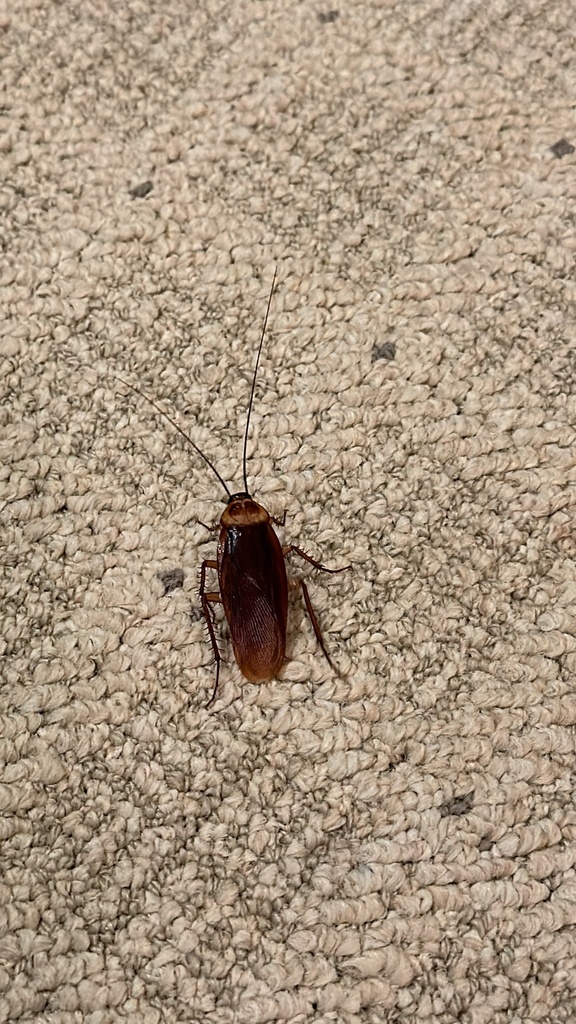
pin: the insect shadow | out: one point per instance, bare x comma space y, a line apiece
251, 567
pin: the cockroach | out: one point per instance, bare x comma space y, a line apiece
251, 567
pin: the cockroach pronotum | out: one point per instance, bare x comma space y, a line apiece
251, 568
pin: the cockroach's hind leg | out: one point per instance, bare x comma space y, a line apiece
316, 625
289, 548
207, 599
216, 681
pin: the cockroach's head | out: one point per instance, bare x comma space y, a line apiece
242, 510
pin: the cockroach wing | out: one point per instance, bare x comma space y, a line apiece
254, 592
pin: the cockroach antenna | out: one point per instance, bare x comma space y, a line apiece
251, 402
173, 424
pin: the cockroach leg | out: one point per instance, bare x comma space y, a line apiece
207, 599
279, 522
317, 565
208, 563
288, 549
315, 624
211, 529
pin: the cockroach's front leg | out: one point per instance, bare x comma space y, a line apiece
311, 613
211, 529
207, 599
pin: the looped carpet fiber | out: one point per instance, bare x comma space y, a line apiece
397, 843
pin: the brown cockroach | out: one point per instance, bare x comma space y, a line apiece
251, 568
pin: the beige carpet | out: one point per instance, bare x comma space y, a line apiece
399, 844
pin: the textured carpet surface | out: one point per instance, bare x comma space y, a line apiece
397, 844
